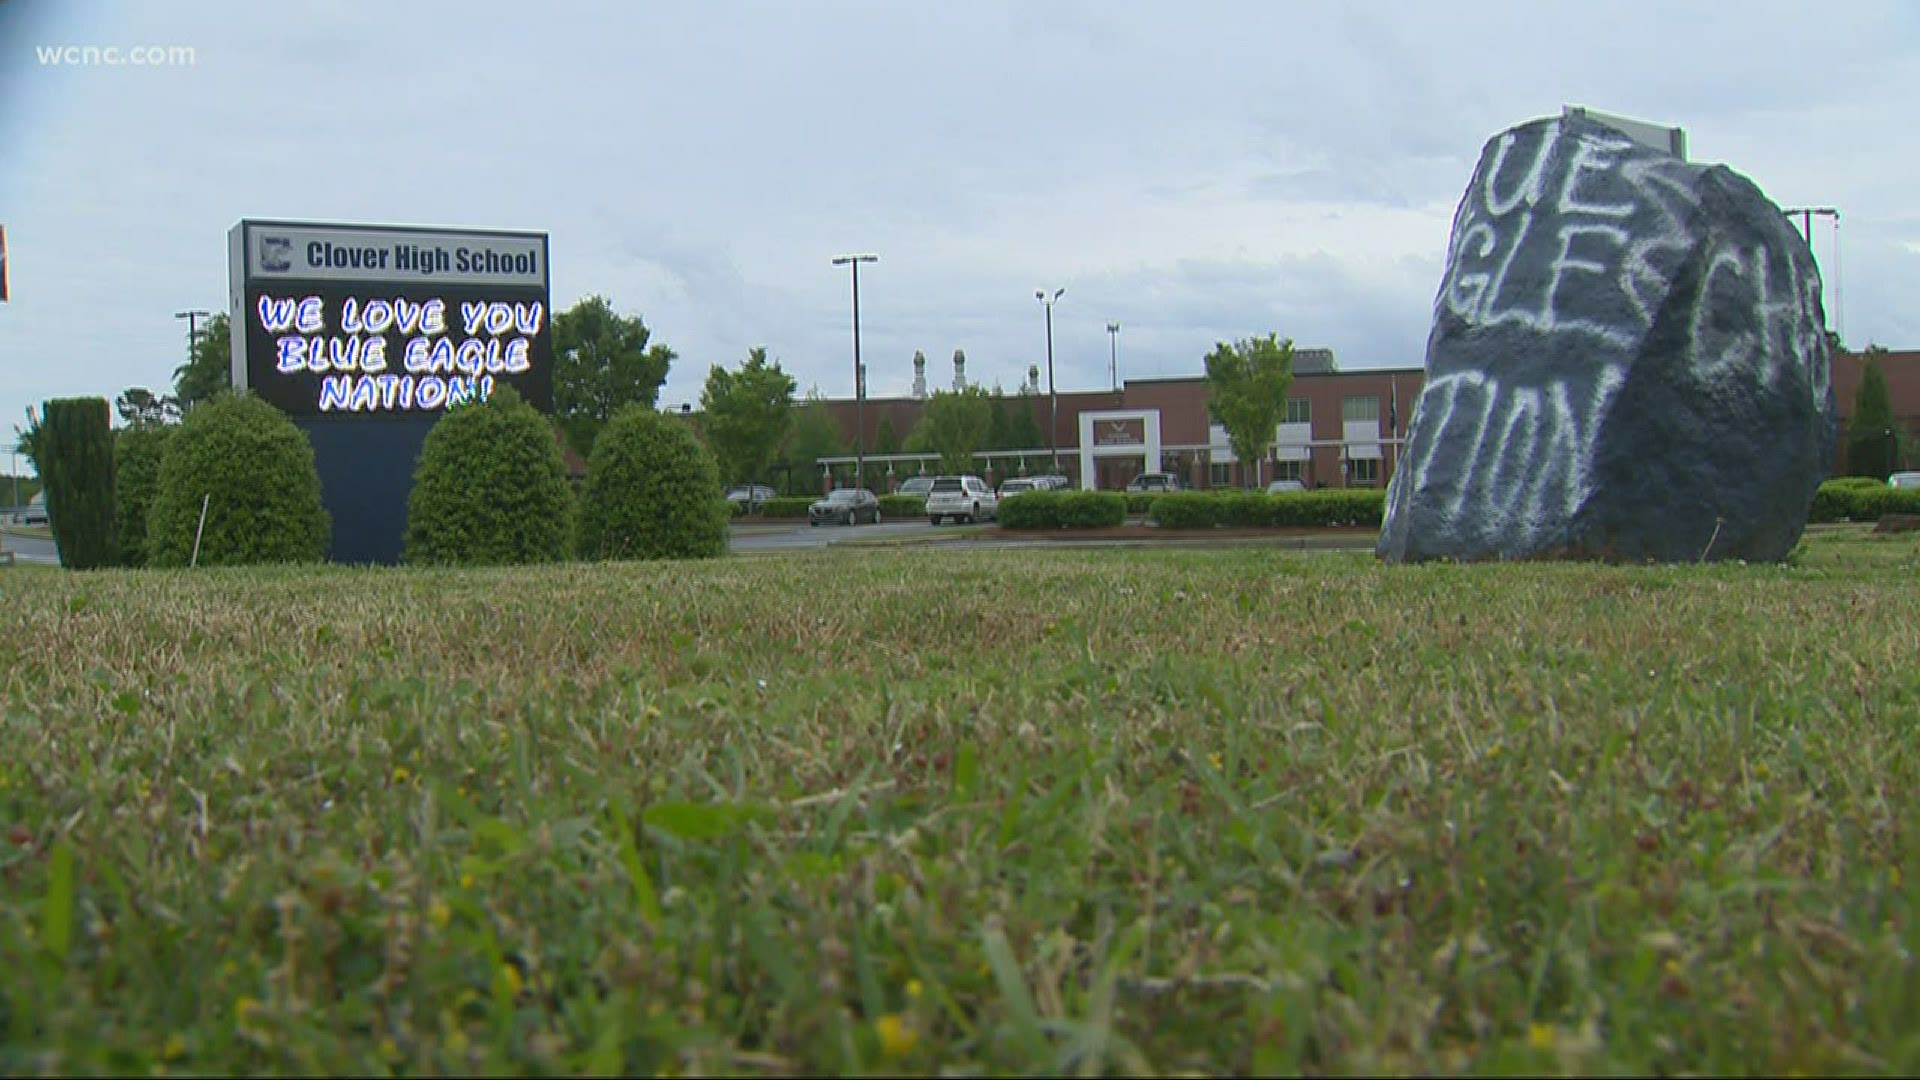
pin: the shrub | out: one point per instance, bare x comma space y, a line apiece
1870, 483
1091, 509
1140, 503
653, 492
1029, 510
73, 452
1063, 510
1292, 509
791, 506
1861, 498
136, 482
255, 471
1186, 510
1245, 509
491, 488
1832, 502
902, 506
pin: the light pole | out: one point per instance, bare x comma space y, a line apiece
1053, 398
193, 318
1113, 355
1806, 215
859, 382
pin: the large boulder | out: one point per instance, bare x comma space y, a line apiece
1628, 361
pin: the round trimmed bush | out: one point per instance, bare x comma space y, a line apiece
491, 488
136, 482
255, 470
653, 492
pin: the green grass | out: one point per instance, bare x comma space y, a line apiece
1229, 810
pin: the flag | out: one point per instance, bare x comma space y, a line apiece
1393, 409
3, 263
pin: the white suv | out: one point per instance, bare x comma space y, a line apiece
961, 497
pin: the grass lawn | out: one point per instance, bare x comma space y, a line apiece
1116, 810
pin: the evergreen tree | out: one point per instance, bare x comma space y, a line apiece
1872, 439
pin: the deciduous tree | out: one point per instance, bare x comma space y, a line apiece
602, 360
815, 435
209, 369
958, 423
1247, 383
138, 406
747, 415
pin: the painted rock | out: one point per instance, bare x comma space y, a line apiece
1627, 362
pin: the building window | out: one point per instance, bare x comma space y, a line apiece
1219, 474
1361, 408
1287, 470
1299, 411
1366, 472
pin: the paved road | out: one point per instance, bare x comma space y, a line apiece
31, 549
790, 537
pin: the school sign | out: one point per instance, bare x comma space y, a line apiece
366, 334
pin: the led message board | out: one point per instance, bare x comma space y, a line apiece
351, 320
367, 334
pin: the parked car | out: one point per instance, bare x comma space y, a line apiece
1018, 484
750, 494
36, 511
1154, 481
959, 497
1279, 486
1052, 482
848, 506
916, 485
1905, 480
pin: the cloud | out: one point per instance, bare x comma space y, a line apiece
1197, 172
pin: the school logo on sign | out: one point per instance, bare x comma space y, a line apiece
276, 254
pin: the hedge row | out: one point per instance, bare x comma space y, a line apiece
1325, 507
787, 506
895, 507
1063, 510
1861, 498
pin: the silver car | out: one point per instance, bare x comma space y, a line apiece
959, 497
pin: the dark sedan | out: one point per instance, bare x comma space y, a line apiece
849, 506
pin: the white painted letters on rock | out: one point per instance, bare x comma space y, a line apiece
1627, 362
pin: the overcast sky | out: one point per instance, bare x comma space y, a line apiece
1196, 171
